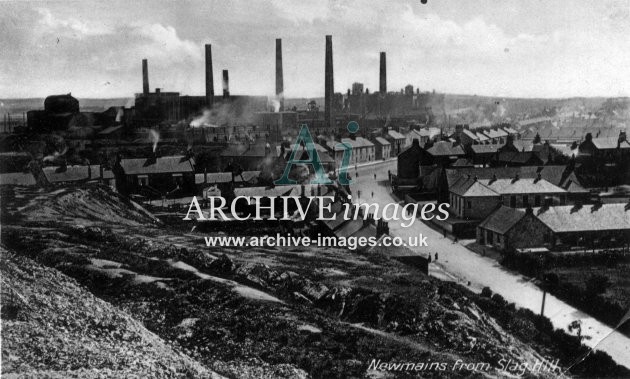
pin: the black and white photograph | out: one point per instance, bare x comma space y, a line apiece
315, 189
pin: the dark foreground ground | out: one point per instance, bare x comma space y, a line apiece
94, 285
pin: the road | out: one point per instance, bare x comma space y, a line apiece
461, 264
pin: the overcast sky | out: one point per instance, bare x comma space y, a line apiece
502, 48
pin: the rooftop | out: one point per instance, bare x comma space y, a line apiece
161, 165
71, 173
592, 217
503, 219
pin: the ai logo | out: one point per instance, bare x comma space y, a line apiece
305, 139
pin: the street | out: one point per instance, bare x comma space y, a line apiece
458, 263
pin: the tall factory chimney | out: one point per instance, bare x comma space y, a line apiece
279, 78
209, 77
145, 77
329, 85
383, 75
226, 85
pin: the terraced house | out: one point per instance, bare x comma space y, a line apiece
562, 227
474, 198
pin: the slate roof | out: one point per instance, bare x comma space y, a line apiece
71, 173
471, 187
395, 135
519, 157
557, 175
463, 162
357, 142
493, 133
350, 228
501, 132
587, 218
226, 177
503, 219
527, 185
443, 148
17, 179
481, 137
470, 134
610, 143
382, 141
486, 149
161, 165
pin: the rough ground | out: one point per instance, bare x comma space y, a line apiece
241, 313
53, 327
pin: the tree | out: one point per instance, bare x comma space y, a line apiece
537, 138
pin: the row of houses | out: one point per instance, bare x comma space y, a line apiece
560, 227
58, 175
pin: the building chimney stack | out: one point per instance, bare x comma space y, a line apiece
226, 85
279, 76
145, 77
329, 85
383, 75
209, 77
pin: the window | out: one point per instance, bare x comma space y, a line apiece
525, 201
469, 204
512, 201
143, 180
537, 201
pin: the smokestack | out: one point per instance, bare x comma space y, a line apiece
279, 78
226, 85
209, 77
329, 85
383, 75
145, 77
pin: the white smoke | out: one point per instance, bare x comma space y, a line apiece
154, 135
275, 101
203, 120
119, 114
276, 105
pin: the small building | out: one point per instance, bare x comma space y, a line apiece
362, 150
17, 179
508, 229
397, 140
444, 153
409, 162
484, 154
382, 148
557, 227
606, 149
156, 176
71, 174
474, 198
558, 175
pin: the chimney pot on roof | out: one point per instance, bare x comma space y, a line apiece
516, 178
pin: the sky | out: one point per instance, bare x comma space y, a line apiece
504, 48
